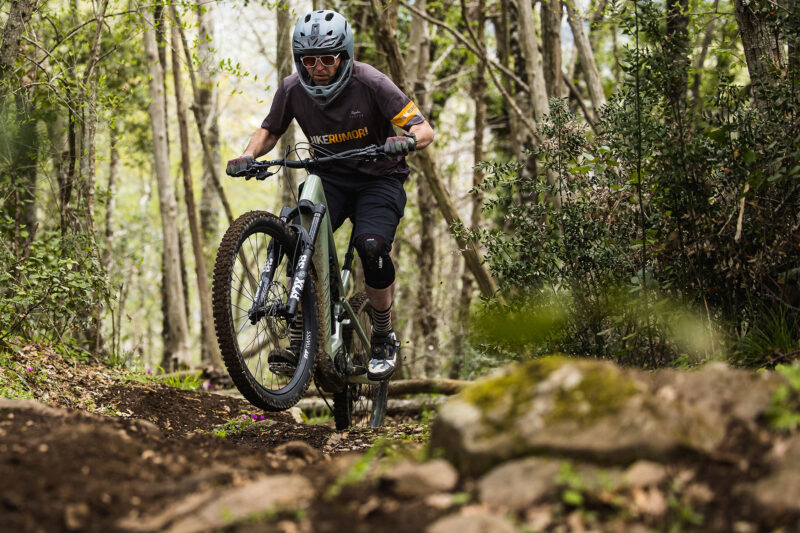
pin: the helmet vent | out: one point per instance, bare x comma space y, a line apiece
308, 17
329, 16
330, 32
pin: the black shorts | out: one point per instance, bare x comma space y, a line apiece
375, 206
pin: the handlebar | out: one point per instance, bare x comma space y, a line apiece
260, 169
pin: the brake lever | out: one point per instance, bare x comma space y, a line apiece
262, 177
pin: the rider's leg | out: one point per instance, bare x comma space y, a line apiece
381, 300
379, 276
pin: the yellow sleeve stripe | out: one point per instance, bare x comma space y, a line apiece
405, 115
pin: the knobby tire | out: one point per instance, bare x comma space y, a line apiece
240, 260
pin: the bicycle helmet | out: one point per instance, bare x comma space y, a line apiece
323, 32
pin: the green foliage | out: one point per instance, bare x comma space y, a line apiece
382, 448
775, 338
183, 382
237, 426
677, 218
359, 471
784, 410
317, 417
50, 292
15, 378
681, 516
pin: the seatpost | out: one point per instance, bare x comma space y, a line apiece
301, 271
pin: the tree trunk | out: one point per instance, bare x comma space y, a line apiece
19, 14
425, 158
503, 31
708, 37
478, 91
208, 153
586, 58
533, 61
676, 46
206, 98
176, 339
538, 90
24, 170
88, 100
210, 351
552, 13
111, 192
425, 315
763, 47
59, 156
285, 66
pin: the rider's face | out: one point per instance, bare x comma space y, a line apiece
321, 74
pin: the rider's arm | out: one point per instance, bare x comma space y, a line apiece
424, 134
262, 142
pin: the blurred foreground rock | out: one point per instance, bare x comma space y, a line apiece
671, 447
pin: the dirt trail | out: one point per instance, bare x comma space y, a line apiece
98, 451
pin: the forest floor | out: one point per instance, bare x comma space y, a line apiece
94, 449
88, 448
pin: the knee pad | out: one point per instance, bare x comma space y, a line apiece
374, 253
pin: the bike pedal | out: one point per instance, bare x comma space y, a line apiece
356, 370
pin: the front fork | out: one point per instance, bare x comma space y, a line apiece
289, 309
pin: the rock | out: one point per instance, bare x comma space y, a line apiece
217, 508
778, 493
644, 474
32, 405
297, 414
698, 494
649, 501
518, 484
595, 411
410, 479
440, 500
146, 427
539, 518
75, 516
300, 450
472, 523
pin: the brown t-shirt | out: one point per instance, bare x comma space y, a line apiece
361, 115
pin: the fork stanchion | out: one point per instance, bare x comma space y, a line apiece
301, 271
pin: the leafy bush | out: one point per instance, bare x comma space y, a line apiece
784, 410
672, 225
50, 292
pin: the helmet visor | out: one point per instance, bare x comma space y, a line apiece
327, 60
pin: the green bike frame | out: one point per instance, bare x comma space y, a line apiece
325, 260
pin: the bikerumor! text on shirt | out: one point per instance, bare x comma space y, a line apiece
361, 115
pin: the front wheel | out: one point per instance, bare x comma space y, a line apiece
360, 404
253, 344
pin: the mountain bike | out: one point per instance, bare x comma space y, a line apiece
277, 275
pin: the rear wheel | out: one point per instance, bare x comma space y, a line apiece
247, 340
360, 404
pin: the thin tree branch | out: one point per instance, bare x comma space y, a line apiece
474, 49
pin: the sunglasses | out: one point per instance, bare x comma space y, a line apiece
326, 60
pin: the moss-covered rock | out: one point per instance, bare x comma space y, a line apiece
594, 410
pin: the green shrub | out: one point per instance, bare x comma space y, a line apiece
50, 293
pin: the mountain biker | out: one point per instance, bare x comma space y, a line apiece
343, 104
